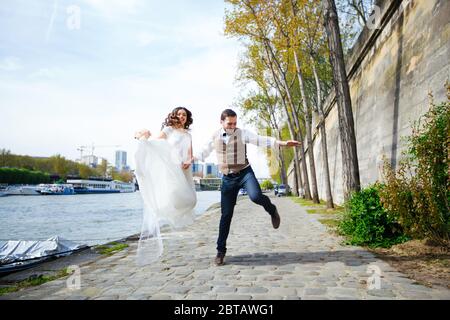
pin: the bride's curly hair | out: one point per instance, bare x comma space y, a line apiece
172, 119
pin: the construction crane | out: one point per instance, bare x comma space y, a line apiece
81, 149
92, 147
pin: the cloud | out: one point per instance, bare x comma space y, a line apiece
145, 38
205, 31
45, 73
10, 64
109, 111
153, 63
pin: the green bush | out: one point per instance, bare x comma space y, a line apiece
366, 222
419, 191
267, 185
22, 176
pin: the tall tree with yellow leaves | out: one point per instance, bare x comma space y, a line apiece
350, 166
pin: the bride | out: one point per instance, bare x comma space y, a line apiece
165, 181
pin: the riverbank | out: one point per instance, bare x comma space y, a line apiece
58, 267
300, 260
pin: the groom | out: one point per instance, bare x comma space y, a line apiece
230, 145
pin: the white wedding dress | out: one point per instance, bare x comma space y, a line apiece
168, 191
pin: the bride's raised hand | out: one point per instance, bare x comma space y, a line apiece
142, 134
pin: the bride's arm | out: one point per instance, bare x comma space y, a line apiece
190, 158
161, 135
146, 134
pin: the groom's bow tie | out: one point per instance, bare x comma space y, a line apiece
228, 132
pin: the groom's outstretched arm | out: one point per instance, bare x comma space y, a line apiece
265, 141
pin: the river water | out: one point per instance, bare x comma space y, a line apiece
85, 219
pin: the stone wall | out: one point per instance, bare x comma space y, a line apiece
391, 70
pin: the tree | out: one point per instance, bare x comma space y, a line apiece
260, 108
102, 168
350, 165
59, 165
125, 176
253, 20
289, 48
312, 44
5, 158
84, 171
113, 173
289, 27
267, 185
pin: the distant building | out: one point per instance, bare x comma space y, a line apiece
91, 161
197, 169
210, 170
121, 160
101, 160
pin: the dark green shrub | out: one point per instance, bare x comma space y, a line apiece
22, 176
366, 222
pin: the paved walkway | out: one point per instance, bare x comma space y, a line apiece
300, 260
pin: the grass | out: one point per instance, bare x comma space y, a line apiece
317, 207
334, 215
332, 223
33, 281
110, 249
315, 211
307, 203
325, 211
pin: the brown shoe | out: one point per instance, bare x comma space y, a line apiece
276, 219
218, 260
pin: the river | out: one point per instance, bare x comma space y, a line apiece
85, 219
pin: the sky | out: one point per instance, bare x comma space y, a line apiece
82, 72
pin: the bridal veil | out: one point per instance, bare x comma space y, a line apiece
168, 191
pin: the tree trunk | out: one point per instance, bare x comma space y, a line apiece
302, 159
306, 111
279, 153
350, 166
280, 157
296, 160
292, 132
323, 133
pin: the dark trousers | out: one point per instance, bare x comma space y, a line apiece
229, 192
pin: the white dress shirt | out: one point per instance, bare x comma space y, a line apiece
247, 137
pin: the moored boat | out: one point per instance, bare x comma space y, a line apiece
82, 186
19, 190
56, 189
